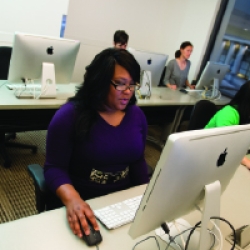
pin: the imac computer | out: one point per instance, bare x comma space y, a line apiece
43, 60
150, 62
194, 168
212, 75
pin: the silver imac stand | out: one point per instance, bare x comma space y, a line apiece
200, 240
48, 82
146, 84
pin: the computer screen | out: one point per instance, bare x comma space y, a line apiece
190, 161
213, 70
31, 51
152, 62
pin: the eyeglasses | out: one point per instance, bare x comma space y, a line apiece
123, 87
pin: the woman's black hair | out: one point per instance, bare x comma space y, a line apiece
241, 102
183, 46
92, 93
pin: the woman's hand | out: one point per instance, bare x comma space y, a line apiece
171, 86
78, 212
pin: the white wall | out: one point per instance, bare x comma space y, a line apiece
154, 25
31, 16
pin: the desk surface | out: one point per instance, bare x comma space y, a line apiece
50, 230
160, 97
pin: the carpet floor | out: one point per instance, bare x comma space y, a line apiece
17, 198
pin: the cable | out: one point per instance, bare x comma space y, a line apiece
4, 83
221, 238
207, 94
215, 218
148, 84
149, 237
97, 247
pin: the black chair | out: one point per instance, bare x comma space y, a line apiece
201, 114
7, 133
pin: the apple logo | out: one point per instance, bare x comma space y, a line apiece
149, 61
50, 50
222, 158
218, 71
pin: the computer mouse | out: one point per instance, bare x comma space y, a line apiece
183, 91
93, 238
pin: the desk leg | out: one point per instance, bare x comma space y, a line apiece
172, 127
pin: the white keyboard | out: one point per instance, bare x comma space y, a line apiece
118, 214
21, 86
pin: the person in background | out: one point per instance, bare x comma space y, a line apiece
96, 141
121, 39
237, 112
177, 70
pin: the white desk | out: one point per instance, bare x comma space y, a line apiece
43, 109
50, 230
8, 100
161, 96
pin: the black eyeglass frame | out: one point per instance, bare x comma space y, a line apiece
133, 86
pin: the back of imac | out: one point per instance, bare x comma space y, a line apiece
152, 62
31, 51
214, 72
189, 161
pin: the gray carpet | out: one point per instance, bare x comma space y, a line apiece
16, 186
17, 198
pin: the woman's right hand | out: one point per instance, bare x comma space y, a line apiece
78, 212
172, 86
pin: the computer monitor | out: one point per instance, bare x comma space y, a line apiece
191, 162
152, 62
37, 58
214, 72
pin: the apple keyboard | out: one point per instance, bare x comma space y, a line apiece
118, 214
22, 86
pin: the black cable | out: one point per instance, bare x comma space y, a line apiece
214, 218
172, 239
149, 237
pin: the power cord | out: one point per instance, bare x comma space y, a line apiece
3, 84
149, 237
214, 218
208, 94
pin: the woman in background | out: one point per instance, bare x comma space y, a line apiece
177, 70
96, 141
237, 112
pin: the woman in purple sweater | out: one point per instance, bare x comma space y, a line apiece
95, 142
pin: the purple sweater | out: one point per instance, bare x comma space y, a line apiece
112, 159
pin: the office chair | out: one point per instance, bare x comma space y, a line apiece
201, 114
5, 55
42, 192
6, 133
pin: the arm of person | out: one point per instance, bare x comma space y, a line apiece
138, 170
169, 70
189, 85
59, 146
78, 211
246, 162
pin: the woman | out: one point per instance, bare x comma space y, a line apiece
176, 75
237, 112
96, 141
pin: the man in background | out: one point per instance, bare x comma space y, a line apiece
121, 39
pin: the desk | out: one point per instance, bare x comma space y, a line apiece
42, 110
50, 230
